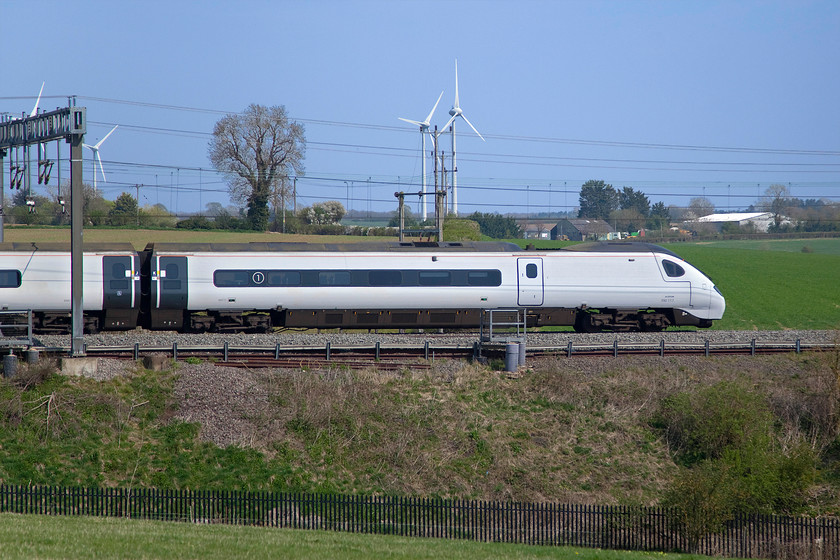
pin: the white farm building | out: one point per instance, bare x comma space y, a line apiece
761, 220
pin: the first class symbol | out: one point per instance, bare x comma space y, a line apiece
258, 278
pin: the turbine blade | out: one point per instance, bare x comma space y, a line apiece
418, 123
457, 105
37, 101
101, 169
446, 126
98, 144
472, 127
432, 112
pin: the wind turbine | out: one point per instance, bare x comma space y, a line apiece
96, 158
38, 101
456, 112
27, 187
424, 128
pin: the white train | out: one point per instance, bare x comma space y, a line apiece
258, 286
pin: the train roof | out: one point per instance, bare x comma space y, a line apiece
373, 246
620, 247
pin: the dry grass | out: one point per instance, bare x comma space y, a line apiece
576, 430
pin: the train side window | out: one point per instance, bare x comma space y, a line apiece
118, 280
283, 278
484, 278
435, 278
531, 270
384, 277
118, 270
334, 278
229, 278
672, 269
10, 279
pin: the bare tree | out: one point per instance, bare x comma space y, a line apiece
699, 207
256, 149
776, 199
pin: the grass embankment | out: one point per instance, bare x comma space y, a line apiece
571, 430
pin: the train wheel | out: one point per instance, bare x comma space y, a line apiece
91, 325
583, 323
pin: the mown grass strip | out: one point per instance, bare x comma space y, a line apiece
30, 537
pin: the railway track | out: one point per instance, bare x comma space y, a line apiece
419, 356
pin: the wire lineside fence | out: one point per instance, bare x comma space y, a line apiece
607, 527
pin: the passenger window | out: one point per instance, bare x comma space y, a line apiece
531, 270
228, 278
172, 271
672, 269
9, 279
283, 278
384, 277
434, 278
334, 278
484, 278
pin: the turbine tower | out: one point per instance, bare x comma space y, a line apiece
96, 158
424, 128
456, 112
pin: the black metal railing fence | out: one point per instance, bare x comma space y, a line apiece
608, 527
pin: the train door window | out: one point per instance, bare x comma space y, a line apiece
283, 278
531, 270
334, 278
118, 279
435, 278
672, 269
171, 280
484, 278
9, 279
384, 277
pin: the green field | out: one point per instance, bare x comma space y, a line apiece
772, 289
28, 537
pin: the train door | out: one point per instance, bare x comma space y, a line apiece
120, 291
680, 291
121, 278
169, 283
168, 291
530, 281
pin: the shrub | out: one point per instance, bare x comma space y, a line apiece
725, 437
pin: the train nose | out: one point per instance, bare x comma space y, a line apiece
717, 304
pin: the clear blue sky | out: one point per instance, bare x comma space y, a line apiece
677, 99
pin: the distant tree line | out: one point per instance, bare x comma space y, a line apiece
627, 209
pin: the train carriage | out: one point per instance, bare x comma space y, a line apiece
259, 286
256, 286
36, 276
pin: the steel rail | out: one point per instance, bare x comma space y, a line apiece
395, 356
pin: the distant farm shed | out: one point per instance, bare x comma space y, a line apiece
584, 230
760, 220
